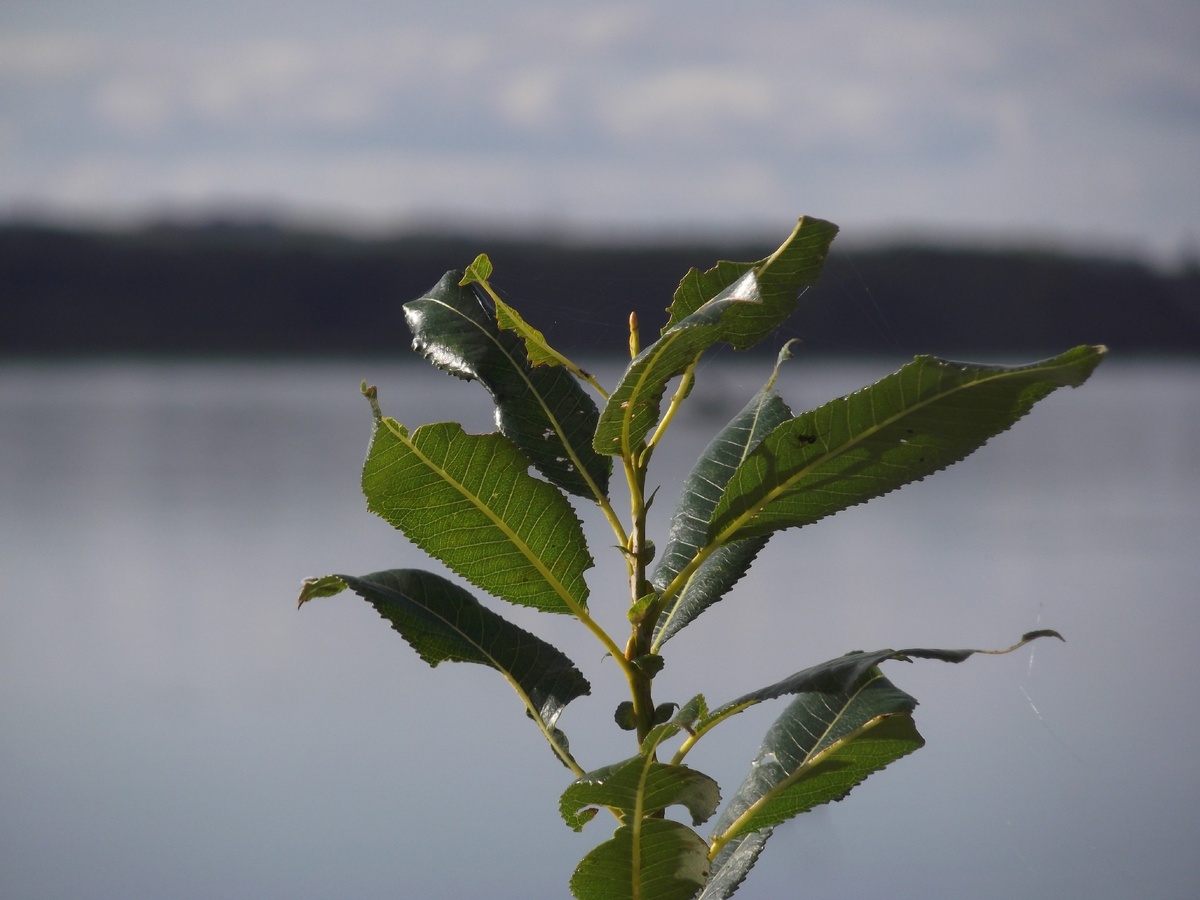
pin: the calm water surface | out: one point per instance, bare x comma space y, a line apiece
173, 727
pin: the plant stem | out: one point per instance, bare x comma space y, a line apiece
681, 392
614, 521
690, 741
636, 556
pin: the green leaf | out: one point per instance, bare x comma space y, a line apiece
443, 622
851, 683
822, 746
833, 676
777, 790
479, 271
640, 785
812, 755
324, 586
652, 859
928, 415
633, 408
740, 314
542, 409
469, 501
701, 491
536, 346
690, 713
781, 277
697, 288
731, 866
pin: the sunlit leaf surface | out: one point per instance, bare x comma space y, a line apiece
469, 501
741, 314
653, 859
928, 415
641, 783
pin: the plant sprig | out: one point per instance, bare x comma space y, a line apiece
473, 503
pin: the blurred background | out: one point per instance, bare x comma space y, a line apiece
1075, 122
209, 217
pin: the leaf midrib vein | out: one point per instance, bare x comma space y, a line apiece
756, 509
517, 541
550, 416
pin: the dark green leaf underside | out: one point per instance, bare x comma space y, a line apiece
443, 622
834, 676
542, 409
847, 721
731, 866
822, 745
701, 491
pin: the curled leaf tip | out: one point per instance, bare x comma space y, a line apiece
479, 271
372, 395
323, 586
1045, 632
785, 352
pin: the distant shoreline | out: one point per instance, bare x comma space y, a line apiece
245, 289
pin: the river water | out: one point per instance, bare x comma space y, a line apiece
173, 727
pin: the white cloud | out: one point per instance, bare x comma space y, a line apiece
531, 97
47, 56
687, 103
139, 105
249, 79
146, 88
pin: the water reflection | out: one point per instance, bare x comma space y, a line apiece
174, 728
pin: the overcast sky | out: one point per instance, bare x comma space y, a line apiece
1073, 120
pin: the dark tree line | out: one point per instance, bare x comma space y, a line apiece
237, 289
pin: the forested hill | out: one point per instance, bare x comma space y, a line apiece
236, 289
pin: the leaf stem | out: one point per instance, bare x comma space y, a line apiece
572, 604
709, 724
681, 392
635, 506
614, 521
679, 582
